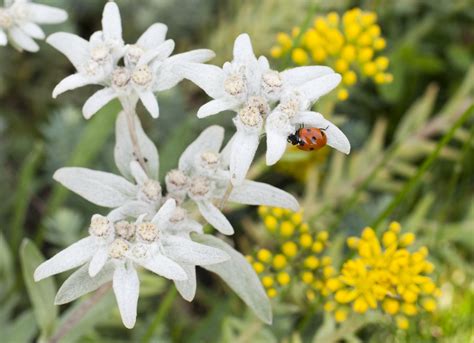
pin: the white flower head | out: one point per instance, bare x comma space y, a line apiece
19, 21
146, 68
113, 251
249, 87
206, 170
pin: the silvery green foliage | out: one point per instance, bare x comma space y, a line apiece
144, 227
19, 21
266, 101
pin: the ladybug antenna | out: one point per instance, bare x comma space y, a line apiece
327, 127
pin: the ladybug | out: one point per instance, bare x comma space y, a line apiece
309, 139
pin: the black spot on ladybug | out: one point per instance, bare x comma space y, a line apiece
313, 139
308, 130
145, 159
323, 133
311, 149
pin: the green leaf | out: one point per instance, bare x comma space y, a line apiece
240, 276
41, 293
23, 329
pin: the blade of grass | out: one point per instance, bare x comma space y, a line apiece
163, 310
415, 180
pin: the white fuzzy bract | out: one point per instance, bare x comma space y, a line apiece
265, 100
19, 21
129, 72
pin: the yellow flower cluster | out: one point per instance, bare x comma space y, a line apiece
297, 256
386, 275
349, 45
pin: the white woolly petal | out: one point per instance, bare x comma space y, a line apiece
3, 38
80, 283
208, 77
258, 193
165, 267
98, 100
126, 288
263, 62
312, 90
138, 173
216, 106
32, 30
160, 52
131, 209
43, 14
186, 251
336, 138
22, 40
210, 140
98, 261
111, 22
75, 48
164, 213
153, 36
73, 256
243, 151
124, 152
300, 75
276, 146
71, 82
243, 51
215, 217
187, 288
226, 152
100, 188
196, 56
151, 104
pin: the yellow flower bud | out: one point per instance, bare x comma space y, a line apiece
326, 261
307, 277
409, 309
407, 239
341, 65
382, 62
333, 284
340, 315
310, 295
360, 305
276, 52
295, 31
272, 293
304, 227
297, 218
283, 278
279, 261
277, 212
368, 18
262, 211
409, 296
369, 68
389, 238
258, 267
395, 227
320, 24
379, 44
249, 258
270, 223
328, 271
284, 40
374, 30
287, 228
391, 306
264, 255
352, 31
329, 306
428, 287
267, 281
353, 242
368, 233
379, 78
429, 267
319, 54
306, 240
323, 236
429, 304
402, 322
290, 249
317, 247
311, 262
365, 55
348, 53
343, 94
333, 18
349, 78
364, 39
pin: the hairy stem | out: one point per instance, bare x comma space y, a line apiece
226, 195
129, 110
80, 312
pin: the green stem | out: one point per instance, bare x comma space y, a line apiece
412, 183
163, 310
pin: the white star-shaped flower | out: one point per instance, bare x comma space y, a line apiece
266, 101
19, 21
146, 68
113, 250
203, 176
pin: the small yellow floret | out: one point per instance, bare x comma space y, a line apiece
389, 238
382, 62
311, 262
365, 55
264, 255
365, 39
270, 223
278, 212
353, 242
329, 306
326, 261
360, 305
341, 65
258, 267
409, 309
287, 228
340, 315
407, 239
304, 227
306, 240
379, 44
319, 54
307, 277
369, 68
349, 78
300, 56
267, 281
263, 210
391, 306
429, 304
284, 40
279, 261
333, 18
323, 236
348, 53
374, 30
379, 78
395, 227
272, 293
297, 218
343, 94
290, 249
283, 278
317, 247
402, 322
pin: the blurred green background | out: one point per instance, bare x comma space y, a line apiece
394, 128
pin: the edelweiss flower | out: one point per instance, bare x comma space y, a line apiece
203, 176
249, 86
19, 21
147, 66
113, 250
143, 196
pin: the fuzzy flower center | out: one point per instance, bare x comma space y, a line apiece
290, 107
152, 189
134, 53
176, 180
142, 75
118, 248
6, 19
100, 53
234, 84
147, 231
272, 81
199, 186
99, 226
253, 113
125, 229
140, 251
120, 77
210, 160
178, 215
